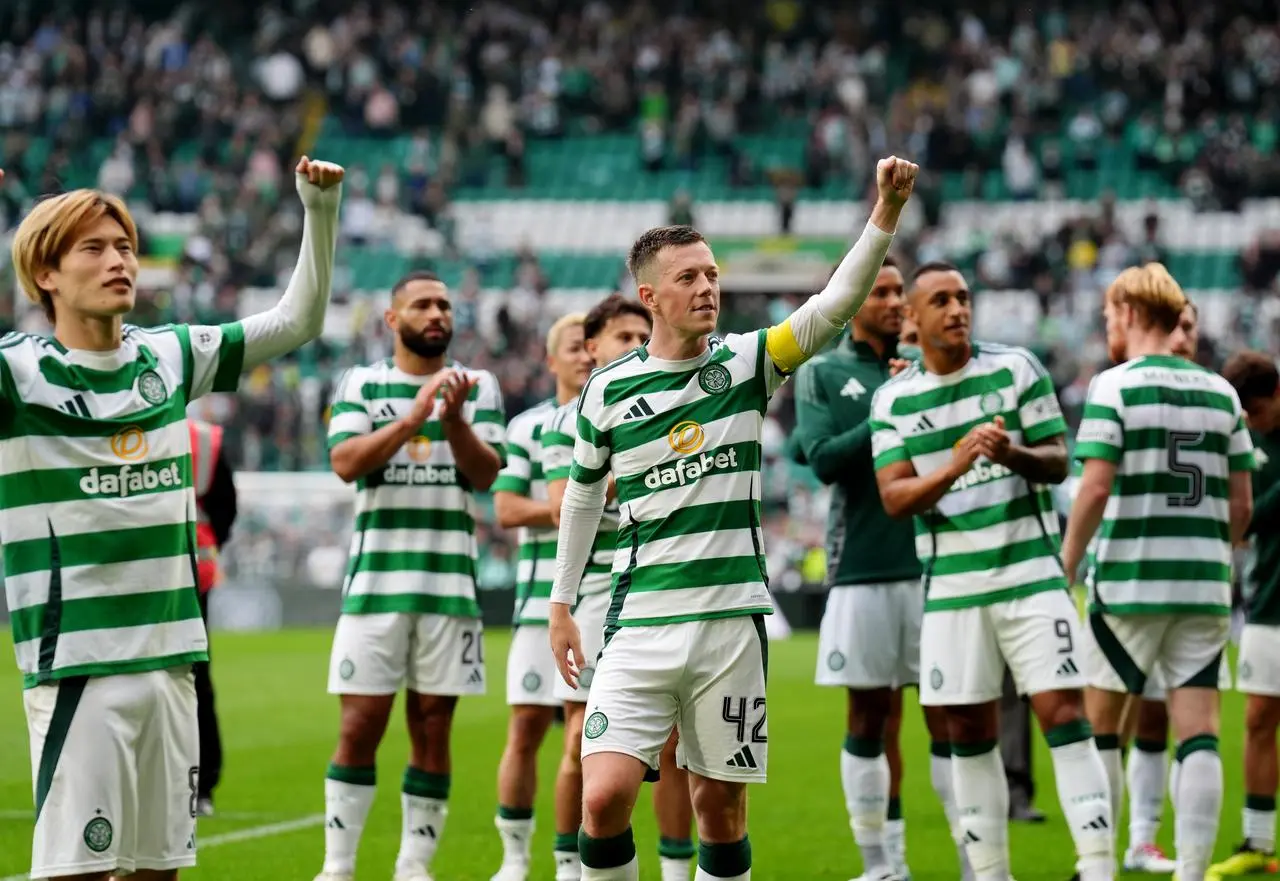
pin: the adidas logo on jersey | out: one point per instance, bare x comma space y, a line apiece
639, 410
125, 480
386, 411
689, 470
923, 424
420, 475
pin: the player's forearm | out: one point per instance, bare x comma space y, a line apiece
1240, 504
911, 496
299, 316
1086, 515
513, 510
837, 458
1042, 463
821, 318
580, 510
478, 461
358, 456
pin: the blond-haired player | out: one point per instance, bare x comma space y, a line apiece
1167, 462
97, 519
520, 502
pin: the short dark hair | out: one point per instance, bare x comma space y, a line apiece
934, 266
654, 240
1252, 374
416, 275
608, 309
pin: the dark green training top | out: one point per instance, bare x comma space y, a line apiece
1264, 601
833, 437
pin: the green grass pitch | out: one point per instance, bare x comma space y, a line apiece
279, 727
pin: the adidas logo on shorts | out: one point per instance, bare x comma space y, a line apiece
743, 759
1068, 668
476, 677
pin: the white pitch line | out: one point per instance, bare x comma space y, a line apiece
249, 834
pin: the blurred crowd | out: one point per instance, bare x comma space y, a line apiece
192, 113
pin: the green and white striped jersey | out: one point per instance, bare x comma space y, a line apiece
97, 510
559, 435
994, 536
682, 439
523, 476
414, 546
1175, 432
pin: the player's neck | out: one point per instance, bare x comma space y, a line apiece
91, 333
944, 361
669, 345
418, 365
565, 392
878, 344
1142, 343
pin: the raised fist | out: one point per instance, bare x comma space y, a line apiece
895, 178
322, 174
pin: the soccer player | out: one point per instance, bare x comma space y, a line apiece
613, 328
967, 441
1166, 475
520, 502
416, 433
1253, 375
97, 520
1147, 767
678, 424
869, 641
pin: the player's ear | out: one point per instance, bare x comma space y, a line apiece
391, 318
647, 296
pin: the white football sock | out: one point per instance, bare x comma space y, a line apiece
1113, 763
517, 839
1260, 829
1148, 770
420, 832
1198, 805
629, 872
1083, 794
895, 844
702, 875
866, 796
346, 807
675, 868
944, 786
982, 800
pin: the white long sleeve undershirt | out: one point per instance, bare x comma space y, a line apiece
299, 316
820, 318
580, 511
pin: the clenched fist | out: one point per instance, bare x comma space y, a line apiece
322, 174
895, 178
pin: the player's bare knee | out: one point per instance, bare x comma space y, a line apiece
1153, 721
364, 721
973, 724
1054, 708
935, 722
720, 808
606, 807
1261, 716
869, 712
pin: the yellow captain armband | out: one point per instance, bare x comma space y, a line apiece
783, 347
